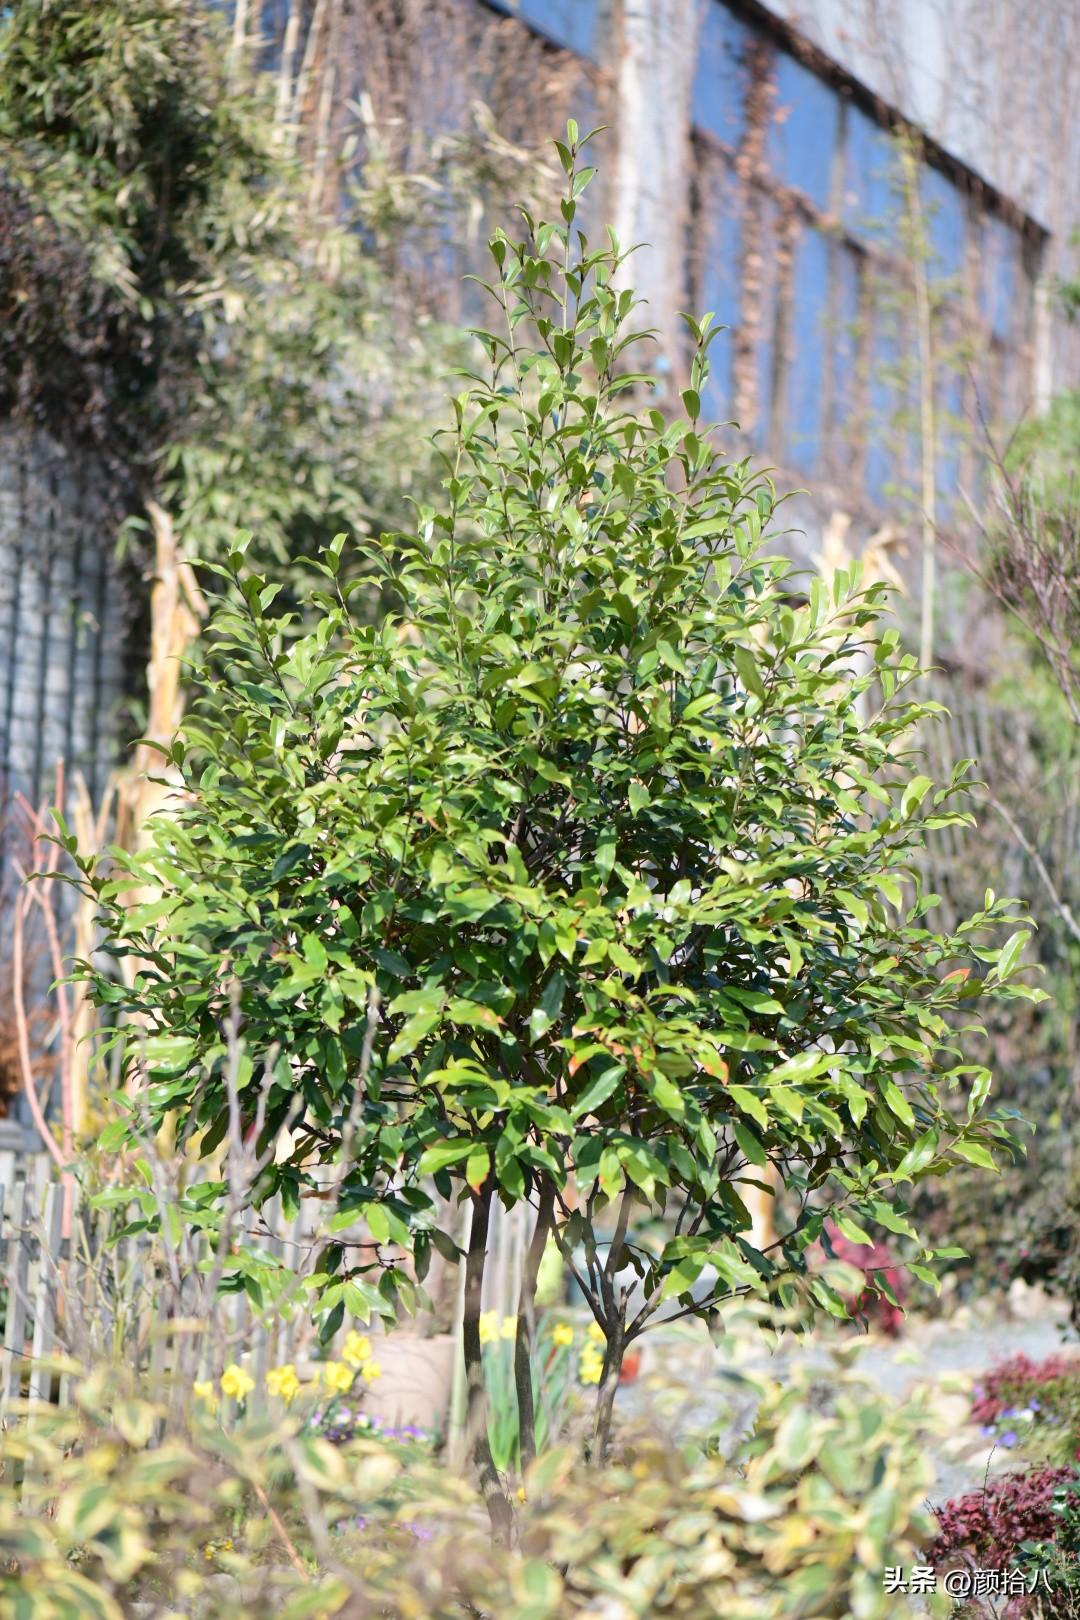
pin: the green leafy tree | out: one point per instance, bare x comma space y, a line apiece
592, 865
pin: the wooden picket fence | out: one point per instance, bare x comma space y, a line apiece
54, 1283
67, 1293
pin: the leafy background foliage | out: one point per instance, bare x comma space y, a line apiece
171, 295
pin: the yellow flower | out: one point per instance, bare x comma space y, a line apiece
283, 1381
206, 1394
590, 1363
521, 1493
562, 1333
370, 1371
489, 1326
596, 1333
356, 1349
339, 1378
509, 1327
590, 1369
236, 1382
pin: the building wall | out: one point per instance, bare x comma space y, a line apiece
996, 82
755, 152
751, 145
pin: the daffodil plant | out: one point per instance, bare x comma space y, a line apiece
283, 1383
586, 878
551, 1372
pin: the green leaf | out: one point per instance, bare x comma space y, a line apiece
477, 1167
605, 852
857, 907
672, 659
896, 1101
113, 1135
798, 1438
803, 1066
750, 1104
668, 1096
974, 1153
597, 1092
1011, 952
851, 1228
639, 797
914, 794
682, 1276
749, 1144
746, 665
441, 1154
412, 1033
548, 1007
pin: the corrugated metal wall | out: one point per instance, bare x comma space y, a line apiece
68, 657
64, 623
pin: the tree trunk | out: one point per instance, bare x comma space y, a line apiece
526, 1327
615, 1319
476, 1433
609, 1385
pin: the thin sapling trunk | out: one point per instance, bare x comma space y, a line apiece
476, 1428
526, 1326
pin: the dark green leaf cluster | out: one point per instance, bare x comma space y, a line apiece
594, 861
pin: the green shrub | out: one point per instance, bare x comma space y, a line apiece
823, 1495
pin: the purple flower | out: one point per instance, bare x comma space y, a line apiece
987, 1430
1010, 1411
1010, 1438
1036, 1406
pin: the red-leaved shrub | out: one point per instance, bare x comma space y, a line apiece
876, 1263
990, 1524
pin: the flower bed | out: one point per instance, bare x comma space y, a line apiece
1032, 1404
1029, 1518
